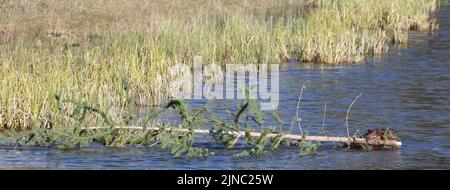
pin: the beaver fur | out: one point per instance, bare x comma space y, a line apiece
381, 134
377, 135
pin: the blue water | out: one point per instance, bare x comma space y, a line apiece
408, 90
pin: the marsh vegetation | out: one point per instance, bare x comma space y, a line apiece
67, 65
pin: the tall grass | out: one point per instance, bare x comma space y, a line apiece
113, 54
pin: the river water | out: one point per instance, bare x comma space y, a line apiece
408, 90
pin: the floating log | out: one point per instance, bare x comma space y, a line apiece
346, 140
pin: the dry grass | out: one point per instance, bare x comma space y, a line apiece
115, 53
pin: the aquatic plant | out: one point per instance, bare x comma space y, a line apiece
308, 148
112, 59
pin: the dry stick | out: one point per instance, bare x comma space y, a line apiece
298, 107
256, 134
231, 145
324, 117
348, 112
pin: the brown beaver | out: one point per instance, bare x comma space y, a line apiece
375, 139
381, 134
375, 136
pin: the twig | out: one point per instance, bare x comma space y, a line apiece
348, 113
155, 143
324, 117
298, 108
232, 143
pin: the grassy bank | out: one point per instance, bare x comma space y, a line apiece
112, 55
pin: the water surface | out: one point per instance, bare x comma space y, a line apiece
408, 90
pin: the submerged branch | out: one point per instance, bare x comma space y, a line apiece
345, 140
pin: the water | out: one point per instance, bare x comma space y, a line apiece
407, 90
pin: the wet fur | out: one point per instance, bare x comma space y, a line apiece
378, 134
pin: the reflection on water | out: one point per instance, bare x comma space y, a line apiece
407, 90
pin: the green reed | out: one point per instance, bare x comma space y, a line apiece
110, 57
